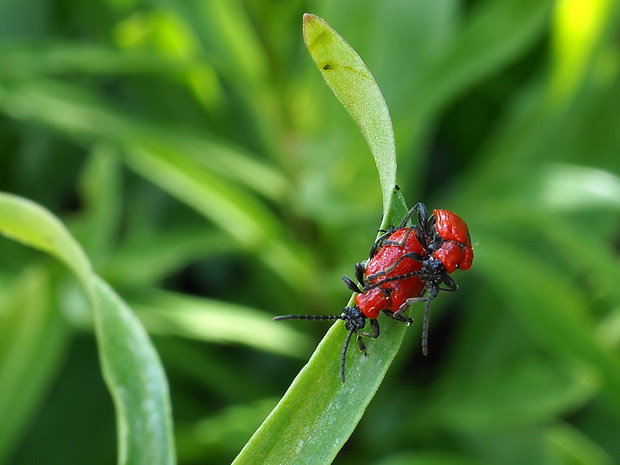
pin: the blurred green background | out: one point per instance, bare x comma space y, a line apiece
195, 152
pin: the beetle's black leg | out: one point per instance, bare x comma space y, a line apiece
351, 285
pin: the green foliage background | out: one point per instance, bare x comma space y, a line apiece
214, 181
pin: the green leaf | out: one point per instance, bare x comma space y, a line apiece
28, 223
318, 413
219, 322
136, 379
347, 76
131, 366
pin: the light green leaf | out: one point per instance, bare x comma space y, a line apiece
28, 223
318, 413
219, 322
136, 379
131, 366
347, 75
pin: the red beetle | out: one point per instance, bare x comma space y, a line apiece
446, 247
403, 263
456, 251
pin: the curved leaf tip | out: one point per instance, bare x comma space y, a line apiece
348, 77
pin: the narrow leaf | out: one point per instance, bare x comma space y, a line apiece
347, 76
131, 366
136, 379
318, 413
30, 224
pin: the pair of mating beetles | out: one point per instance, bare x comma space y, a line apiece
404, 264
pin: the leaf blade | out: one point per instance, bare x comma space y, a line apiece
131, 366
348, 77
318, 413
